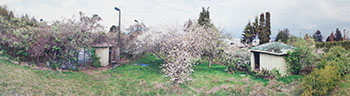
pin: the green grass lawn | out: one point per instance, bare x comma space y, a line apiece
131, 80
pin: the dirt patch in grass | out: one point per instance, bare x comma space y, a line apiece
343, 88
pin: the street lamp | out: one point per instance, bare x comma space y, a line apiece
120, 13
137, 25
119, 43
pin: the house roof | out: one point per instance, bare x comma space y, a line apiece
274, 48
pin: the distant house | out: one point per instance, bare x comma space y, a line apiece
270, 55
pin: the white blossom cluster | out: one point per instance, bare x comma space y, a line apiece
178, 47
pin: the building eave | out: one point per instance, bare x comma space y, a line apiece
271, 53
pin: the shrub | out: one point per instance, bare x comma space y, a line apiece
338, 57
240, 61
329, 45
28, 40
275, 73
293, 61
55, 65
95, 60
333, 65
263, 73
268, 74
321, 81
2, 53
306, 48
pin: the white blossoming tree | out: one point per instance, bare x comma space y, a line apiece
178, 47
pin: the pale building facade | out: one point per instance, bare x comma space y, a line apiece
269, 56
102, 51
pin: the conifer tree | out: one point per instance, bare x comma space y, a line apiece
317, 36
204, 17
330, 38
283, 35
248, 34
262, 30
267, 27
338, 36
256, 26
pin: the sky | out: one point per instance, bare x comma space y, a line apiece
299, 16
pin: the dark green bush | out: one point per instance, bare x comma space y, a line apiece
95, 60
306, 50
55, 65
293, 61
329, 45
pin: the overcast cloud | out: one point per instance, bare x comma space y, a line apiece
300, 16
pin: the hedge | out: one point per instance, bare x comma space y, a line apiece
328, 45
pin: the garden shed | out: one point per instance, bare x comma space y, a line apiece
269, 56
102, 52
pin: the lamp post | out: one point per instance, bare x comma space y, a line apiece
119, 43
137, 25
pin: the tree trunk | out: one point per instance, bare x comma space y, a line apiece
177, 88
210, 61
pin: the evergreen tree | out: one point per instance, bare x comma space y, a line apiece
256, 25
283, 35
338, 36
345, 35
306, 37
25, 17
11, 14
260, 28
267, 27
330, 38
264, 29
317, 36
248, 34
204, 17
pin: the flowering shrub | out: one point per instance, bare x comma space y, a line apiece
239, 61
28, 40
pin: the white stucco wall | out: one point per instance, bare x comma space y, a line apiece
269, 62
103, 54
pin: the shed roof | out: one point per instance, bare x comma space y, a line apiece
275, 48
101, 45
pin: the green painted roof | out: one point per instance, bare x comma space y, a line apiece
273, 48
